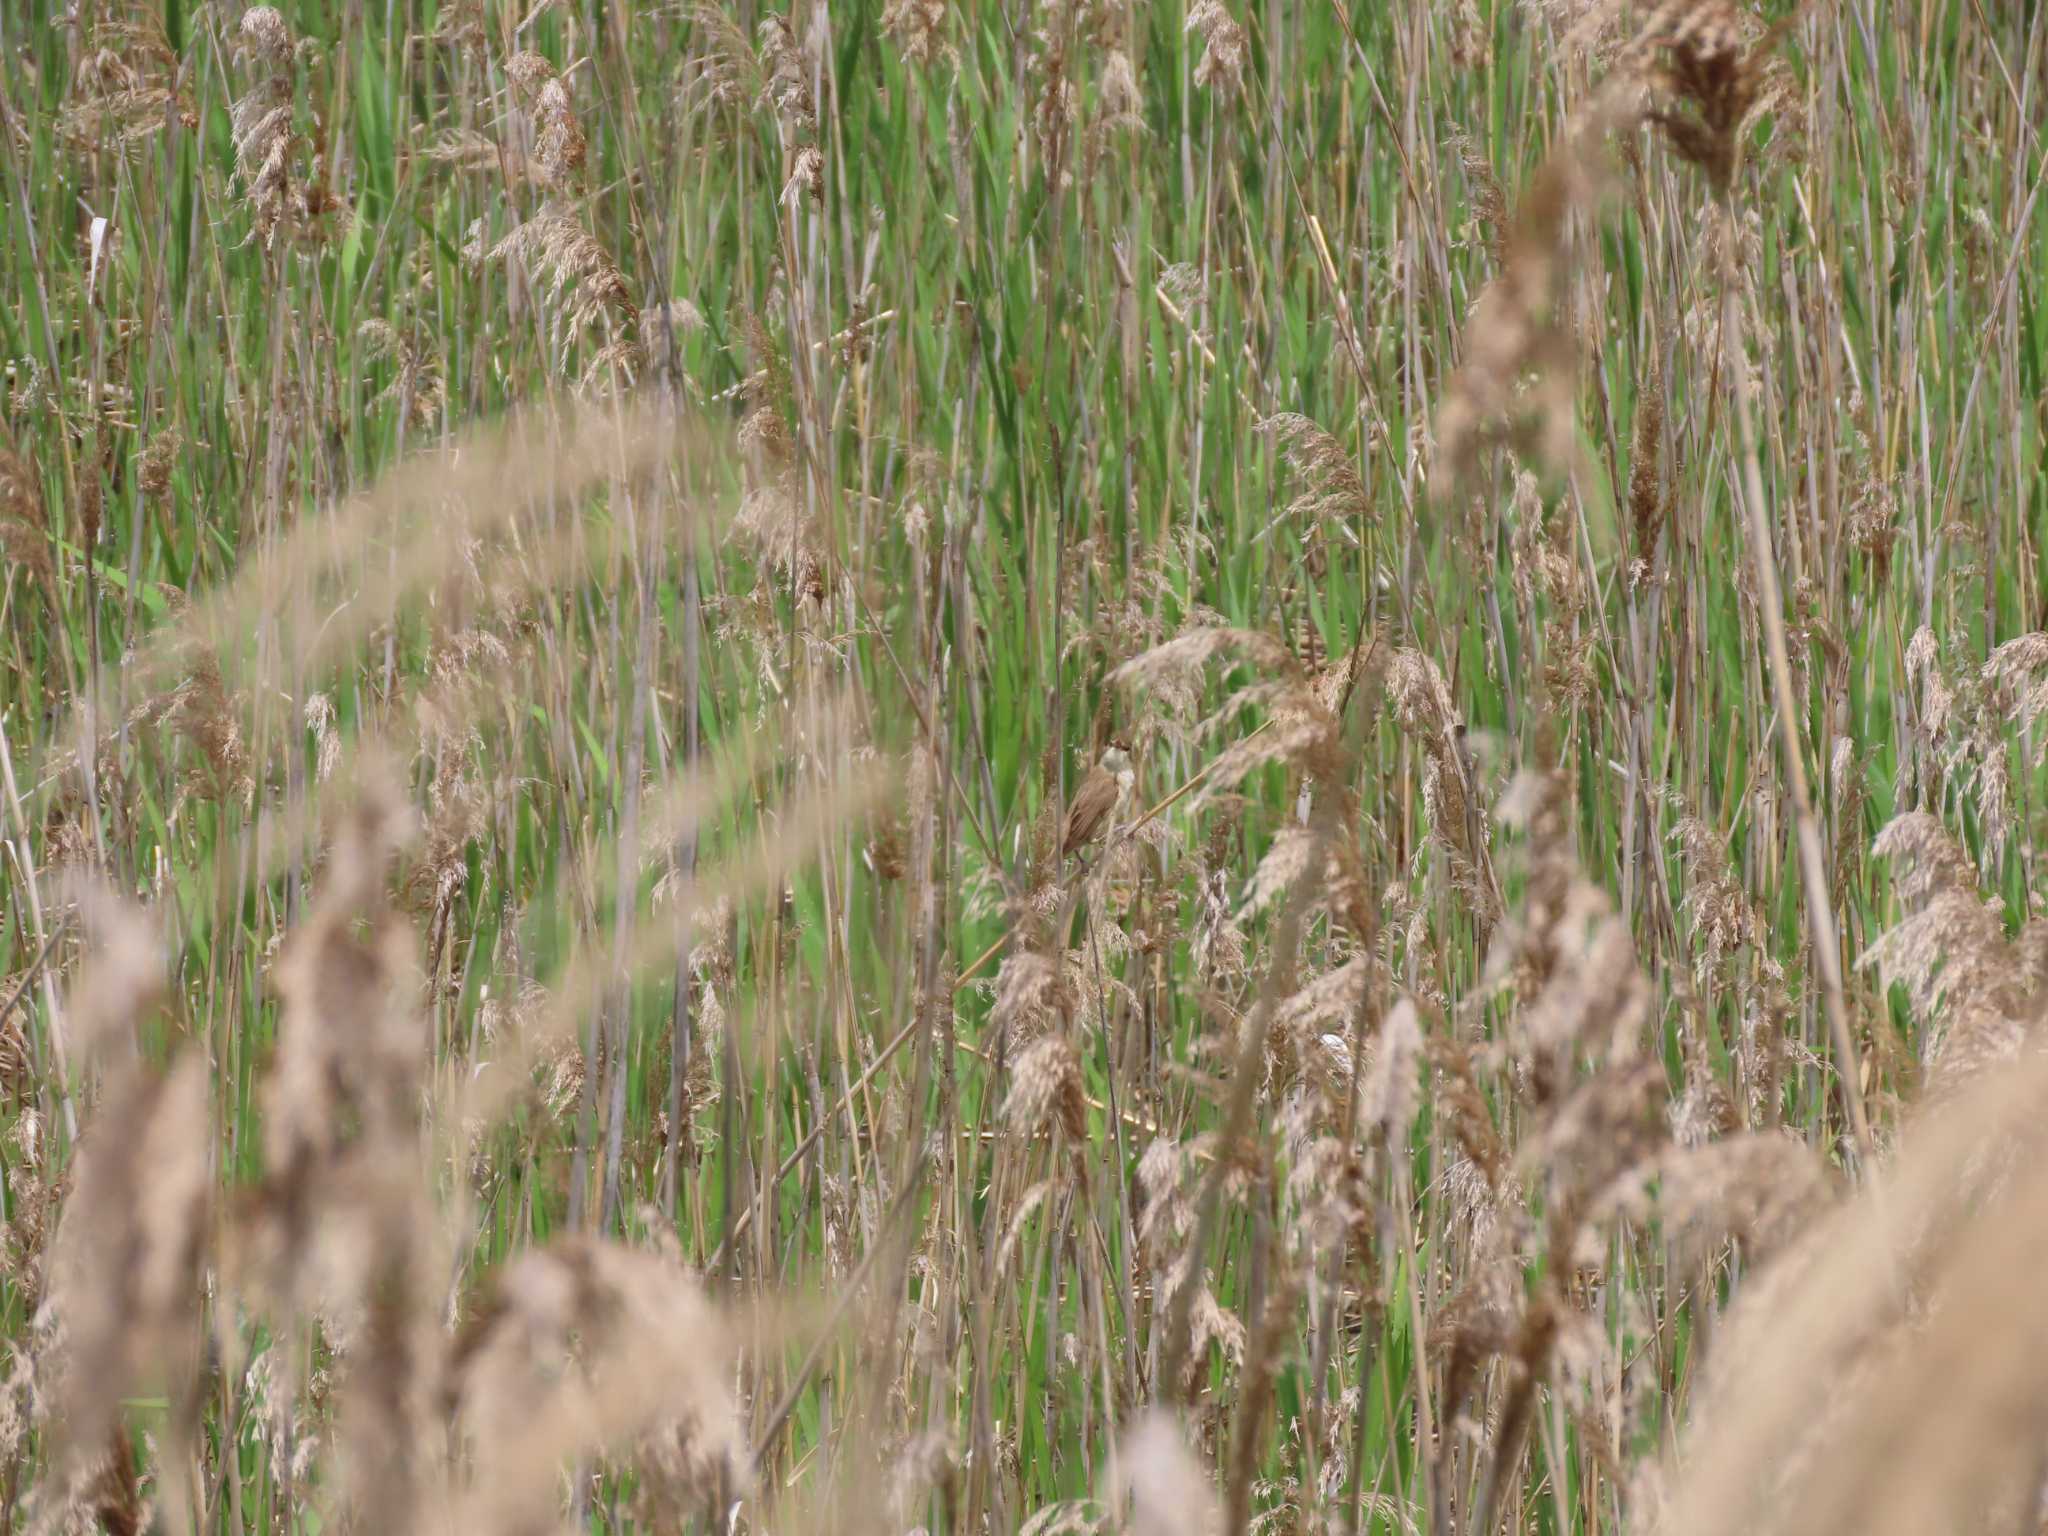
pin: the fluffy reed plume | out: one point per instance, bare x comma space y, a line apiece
1422, 704
415, 387
466, 151
1873, 526
1118, 612
1306, 730
1964, 717
1488, 198
1519, 359
1032, 995
125, 1279
1593, 1145
1757, 1189
1119, 101
199, 708
786, 78
1724, 918
1055, 98
583, 281
1221, 67
126, 89
1045, 1089
265, 136
557, 137
1814, 1414
587, 1347
773, 520
2014, 685
1692, 51
1332, 494
458, 814
1686, 52
1979, 994
1937, 696
487, 484
1161, 1484
727, 73
1547, 567
343, 1090
918, 28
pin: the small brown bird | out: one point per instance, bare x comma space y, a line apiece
1096, 800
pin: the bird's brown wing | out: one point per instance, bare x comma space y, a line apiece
1088, 810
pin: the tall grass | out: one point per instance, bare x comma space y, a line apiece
1056, 767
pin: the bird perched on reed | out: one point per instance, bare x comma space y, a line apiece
1095, 801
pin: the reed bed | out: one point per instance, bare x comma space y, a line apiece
1044, 767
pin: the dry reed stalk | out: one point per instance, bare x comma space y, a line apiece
1826, 936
